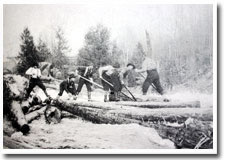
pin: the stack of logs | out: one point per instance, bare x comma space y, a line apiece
18, 111
186, 124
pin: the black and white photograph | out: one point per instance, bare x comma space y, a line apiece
119, 78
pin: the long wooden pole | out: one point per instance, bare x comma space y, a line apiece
153, 86
130, 93
113, 87
91, 81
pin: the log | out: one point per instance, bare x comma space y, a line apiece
25, 106
18, 118
191, 104
52, 115
93, 113
169, 122
144, 114
35, 114
187, 136
14, 106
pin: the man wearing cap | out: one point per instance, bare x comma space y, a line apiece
35, 74
149, 66
87, 73
130, 74
68, 85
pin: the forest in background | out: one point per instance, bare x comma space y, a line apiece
184, 59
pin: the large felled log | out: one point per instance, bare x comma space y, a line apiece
52, 115
159, 118
31, 104
18, 118
123, 111
92, 112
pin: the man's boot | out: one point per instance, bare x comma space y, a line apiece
105, 98
117, 98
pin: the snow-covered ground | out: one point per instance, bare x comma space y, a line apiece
76, 133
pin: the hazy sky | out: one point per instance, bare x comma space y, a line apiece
127, 23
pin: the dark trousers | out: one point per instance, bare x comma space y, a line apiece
33, 83
106, 86
81, 83
71, 90
152, 78
113, 79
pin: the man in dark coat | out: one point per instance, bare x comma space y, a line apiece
68, 85
87, 73
111, 74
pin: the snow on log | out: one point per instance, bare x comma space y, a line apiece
19, 118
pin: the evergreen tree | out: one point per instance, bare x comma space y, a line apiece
28, 53
60, 49
96, 48
43, 51
116, 54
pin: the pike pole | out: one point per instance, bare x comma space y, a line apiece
90, 81
153, 86
113, 87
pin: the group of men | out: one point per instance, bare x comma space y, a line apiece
111, 76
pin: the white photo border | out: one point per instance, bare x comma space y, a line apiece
118, 151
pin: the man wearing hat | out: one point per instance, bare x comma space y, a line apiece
35, 74
130, 75
68, 85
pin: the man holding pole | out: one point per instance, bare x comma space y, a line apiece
111, 81
149, 66
68, 85
85, 74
